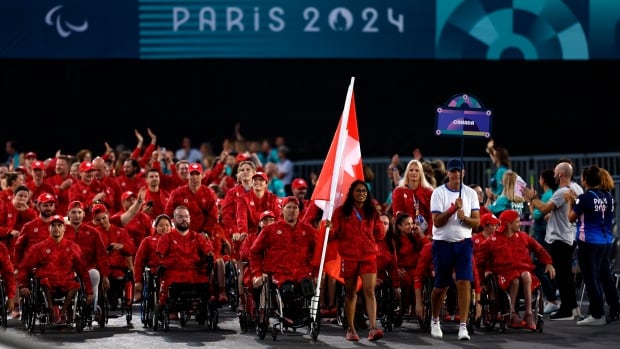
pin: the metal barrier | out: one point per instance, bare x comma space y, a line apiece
479, 169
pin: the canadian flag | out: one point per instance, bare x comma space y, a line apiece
343, 165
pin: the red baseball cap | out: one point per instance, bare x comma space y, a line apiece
45, 198
57, 218
37, 165
86, 166
75, 204
128, 194
508, 216
267, 213
488, 219
30, 155
99, 208
299, 183
195, 168
290, 199
261, 175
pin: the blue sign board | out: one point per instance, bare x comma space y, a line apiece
364, 29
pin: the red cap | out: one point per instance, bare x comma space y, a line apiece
57, 218
30, 155
261, 175
45, 198
242, 157
506, 217
195, 168
21, 169
299, 183
75, 204
267, 213
488, 219
290, 199
86, 166
99, 208
128, 194
37, 165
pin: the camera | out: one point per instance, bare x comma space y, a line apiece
109, 248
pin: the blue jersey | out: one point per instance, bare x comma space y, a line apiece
595, 211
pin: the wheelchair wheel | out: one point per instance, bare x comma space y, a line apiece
263, 310
3, 308
425, 320
80, 311
491, 300
340, 316
231, 279
538, 309
166, 320
214, 317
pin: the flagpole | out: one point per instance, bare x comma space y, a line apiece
336, 179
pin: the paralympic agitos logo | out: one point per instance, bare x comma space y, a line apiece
64, 28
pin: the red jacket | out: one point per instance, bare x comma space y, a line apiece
7, 271
403, 201
31, 233
184, 256
250, 207
117, 258
56, 265
94, 252
505, 254
284, 251
201, 205
356, 238
146, 256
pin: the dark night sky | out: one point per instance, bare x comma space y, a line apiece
538, 107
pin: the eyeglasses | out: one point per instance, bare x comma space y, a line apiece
181, 217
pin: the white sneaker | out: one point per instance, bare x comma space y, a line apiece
551, 307
436, 330
592, 321
463, 334
577, 312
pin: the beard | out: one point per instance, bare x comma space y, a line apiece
183, 226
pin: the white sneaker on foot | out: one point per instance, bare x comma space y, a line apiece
463, 334
592, 321
551, 307
577, 312
436, 330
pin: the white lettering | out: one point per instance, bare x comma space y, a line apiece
234, 16
399, 23
463, 122
210, 21
277, 22
176, 21
273, 19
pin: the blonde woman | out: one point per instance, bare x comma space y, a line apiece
508, 199
413, 196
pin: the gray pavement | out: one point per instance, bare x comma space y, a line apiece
117, 335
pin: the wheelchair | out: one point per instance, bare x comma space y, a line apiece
360, 314
424, 322
3, 303
188, 299
122, 289
388, 308
247, 315
290, 305
496, 309
150, 296
37, 311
